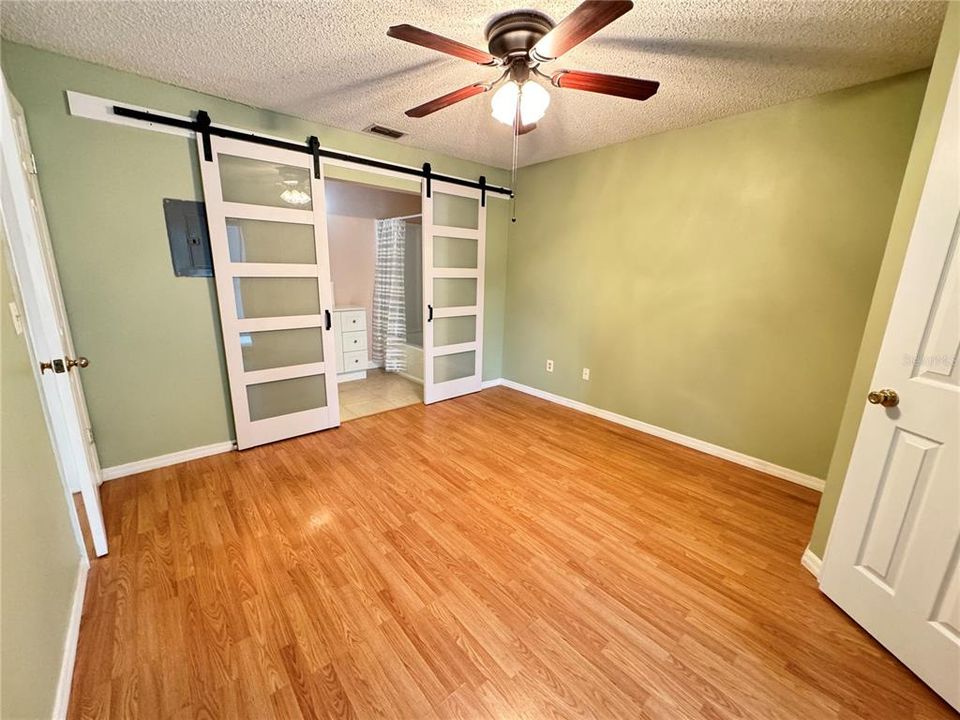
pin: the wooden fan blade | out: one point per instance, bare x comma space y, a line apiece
446, 100
427, 39
625, 87
590, 17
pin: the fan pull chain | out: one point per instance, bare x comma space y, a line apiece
513, 166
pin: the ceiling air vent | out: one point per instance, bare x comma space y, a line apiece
384, 132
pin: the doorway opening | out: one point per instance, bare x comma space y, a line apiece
376, 267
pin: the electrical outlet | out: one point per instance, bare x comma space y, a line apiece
549, 365
586, 373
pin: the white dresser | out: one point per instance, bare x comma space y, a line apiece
350, 326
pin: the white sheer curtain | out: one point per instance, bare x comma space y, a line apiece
389, 314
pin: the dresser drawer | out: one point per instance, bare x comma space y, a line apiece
353, 361
353, 341
352, 320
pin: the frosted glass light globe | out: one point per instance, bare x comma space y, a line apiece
504, 103
534, 100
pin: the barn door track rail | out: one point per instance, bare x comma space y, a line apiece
203, 125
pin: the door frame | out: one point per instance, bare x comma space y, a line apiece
464, 386
249, 432
414, 192
33, 268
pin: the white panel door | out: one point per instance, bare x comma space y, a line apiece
268, 236
893, 560
48, 332
454, 241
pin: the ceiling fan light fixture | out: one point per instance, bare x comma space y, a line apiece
533, 100
519, 41
295, 196
292, 193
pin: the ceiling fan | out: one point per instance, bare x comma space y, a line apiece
520, 41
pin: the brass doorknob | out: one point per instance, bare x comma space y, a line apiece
887, 398
80, 362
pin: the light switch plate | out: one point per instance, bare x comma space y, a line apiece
17, 320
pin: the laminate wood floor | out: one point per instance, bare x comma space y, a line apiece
494, 556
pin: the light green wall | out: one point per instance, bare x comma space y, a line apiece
928, 125
38, 551
156, 382
715, 279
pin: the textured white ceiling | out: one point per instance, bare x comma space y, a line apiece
332, 62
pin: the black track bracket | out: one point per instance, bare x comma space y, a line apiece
314, 143
203, 127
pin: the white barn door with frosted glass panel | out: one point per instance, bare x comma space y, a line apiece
454, 241
893, 559
268, 236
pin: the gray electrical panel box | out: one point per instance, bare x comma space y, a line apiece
189, 240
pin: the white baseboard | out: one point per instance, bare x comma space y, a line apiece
491, 383
62, 701
739, 458
139, 466
811, 562
411, 378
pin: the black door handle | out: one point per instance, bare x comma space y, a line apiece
326, 314
429, 313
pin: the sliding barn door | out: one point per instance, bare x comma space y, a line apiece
454, 234
265, 211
